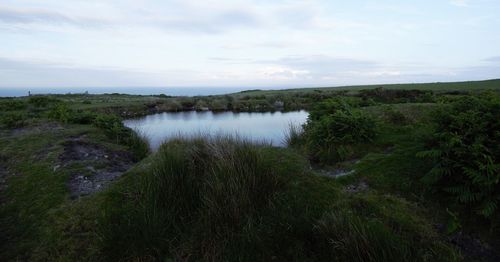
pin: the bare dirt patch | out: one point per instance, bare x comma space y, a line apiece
4, 173
358, 187
101, 165
39, 128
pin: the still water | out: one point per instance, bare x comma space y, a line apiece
269, 127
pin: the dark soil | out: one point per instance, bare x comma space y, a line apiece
3, 174
473, 248
103, 165
39, 128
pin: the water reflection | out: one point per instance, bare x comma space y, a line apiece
269, 127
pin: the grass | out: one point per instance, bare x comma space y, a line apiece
36, 188
247, 101
439, 87
222, 198
227, 199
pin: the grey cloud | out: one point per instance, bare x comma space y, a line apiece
30, 16
493, 59
14, 73
324, 69
228, 60
273, 45
321, 65
480, 72
210, 24
326, 62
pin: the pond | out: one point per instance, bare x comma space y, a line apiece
269, 127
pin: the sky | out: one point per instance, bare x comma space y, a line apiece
246, 43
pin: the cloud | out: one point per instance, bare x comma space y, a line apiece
14, 73
32, 16
462, 3
493, 59
320, 66
210, 23
282, 73
231, 60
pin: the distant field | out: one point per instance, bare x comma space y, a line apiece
439, 86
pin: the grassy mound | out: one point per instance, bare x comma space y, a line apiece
227, 199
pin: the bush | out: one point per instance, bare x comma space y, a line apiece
334, 127
114, 128
82, 117
218, 105
60, 112
395, 116
13, 120
42, 101
465, 150
11, 105
383, 95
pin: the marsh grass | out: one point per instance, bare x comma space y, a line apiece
214, 185
138, 144
225, 198
294, 135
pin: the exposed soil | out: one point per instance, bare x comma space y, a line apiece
355, 188
3, 177
103, 165
473, 248
43, 127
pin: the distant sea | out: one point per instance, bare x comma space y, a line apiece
172, 91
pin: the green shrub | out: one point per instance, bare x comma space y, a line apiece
334, 127
13, 119
218, 105
82, 117
60, 112
11, 105
465, 150
42, 101
114, 128
383, 95
395, 116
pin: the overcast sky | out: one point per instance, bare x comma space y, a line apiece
259, 43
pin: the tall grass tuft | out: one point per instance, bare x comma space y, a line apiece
138, 144
294, 135
226, 199
217, 186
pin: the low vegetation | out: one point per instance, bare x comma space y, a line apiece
333, 128
465, 150
374, 175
